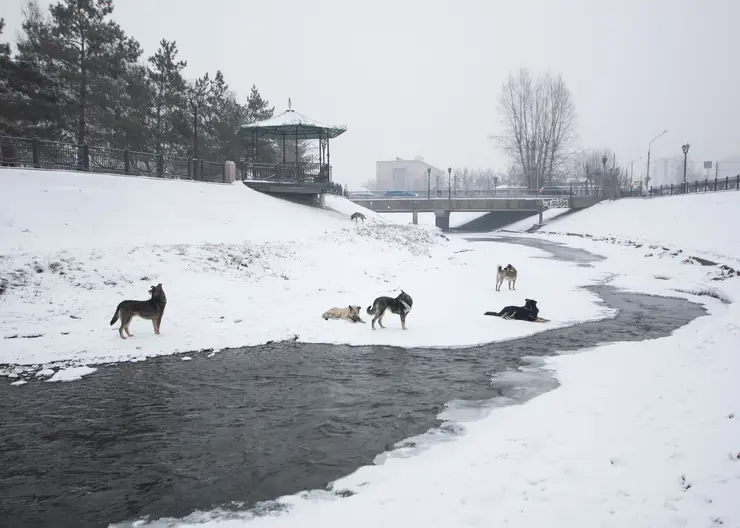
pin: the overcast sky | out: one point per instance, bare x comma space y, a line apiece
422, 77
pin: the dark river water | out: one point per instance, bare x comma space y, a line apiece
165, 437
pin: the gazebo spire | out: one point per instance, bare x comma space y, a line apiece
290, 105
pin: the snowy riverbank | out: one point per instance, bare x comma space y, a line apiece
239, 268
637, 434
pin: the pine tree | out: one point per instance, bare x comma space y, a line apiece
259, 109
90, 55
30, 100
129, 126
165, 73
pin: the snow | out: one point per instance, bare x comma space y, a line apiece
698, 223
523, 225
636, 434
290, 118
72, 374
239, 268
457, 218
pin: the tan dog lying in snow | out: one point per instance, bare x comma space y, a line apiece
350, 313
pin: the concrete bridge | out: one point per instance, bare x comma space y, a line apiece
509, 209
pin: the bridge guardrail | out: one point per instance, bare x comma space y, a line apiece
441, 194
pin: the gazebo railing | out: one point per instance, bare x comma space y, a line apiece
287, 172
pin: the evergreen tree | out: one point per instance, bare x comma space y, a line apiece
90, 55
30, 100
129, 126
259, 109
169, 127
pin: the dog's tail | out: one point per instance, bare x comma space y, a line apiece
371, 310
325, 315
495, 314
115, 317
500, 269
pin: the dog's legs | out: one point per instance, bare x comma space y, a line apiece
380, 318
157, 322
514, 284
403, 321
125, 327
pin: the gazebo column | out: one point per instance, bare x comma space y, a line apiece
328, 159
296, 154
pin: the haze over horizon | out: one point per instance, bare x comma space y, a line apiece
423, 78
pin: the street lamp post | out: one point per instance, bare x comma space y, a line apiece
603, 162
685, 149
429, 183
647, 178
449, 183
632, 168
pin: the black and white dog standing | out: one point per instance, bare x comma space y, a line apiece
400, 305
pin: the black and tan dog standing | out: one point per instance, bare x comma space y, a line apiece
507, 273
400, 305
153, 310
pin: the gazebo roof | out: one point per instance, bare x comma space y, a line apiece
291, 124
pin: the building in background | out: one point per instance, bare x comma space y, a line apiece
667, 171
407, 175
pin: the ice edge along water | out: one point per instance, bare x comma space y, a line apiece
64, 278
637, 434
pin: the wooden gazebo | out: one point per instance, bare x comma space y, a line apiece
289, 126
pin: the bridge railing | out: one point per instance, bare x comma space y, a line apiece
503, 193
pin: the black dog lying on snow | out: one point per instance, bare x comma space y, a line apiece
528, 312
401, 305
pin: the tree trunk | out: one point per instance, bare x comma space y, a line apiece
81, 125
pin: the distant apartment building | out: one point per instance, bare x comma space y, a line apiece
407, 175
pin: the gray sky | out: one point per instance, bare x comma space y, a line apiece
422, 77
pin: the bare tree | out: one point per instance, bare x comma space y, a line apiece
539, 122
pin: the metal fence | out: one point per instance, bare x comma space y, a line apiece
698, 186
289, 171
50, 155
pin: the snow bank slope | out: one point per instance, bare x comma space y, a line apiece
347, 207
239, 268
42, 211
702, 223
638, 434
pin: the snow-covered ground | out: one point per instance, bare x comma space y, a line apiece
238, 268
523, 225
456, 218
637, 434
705, 224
